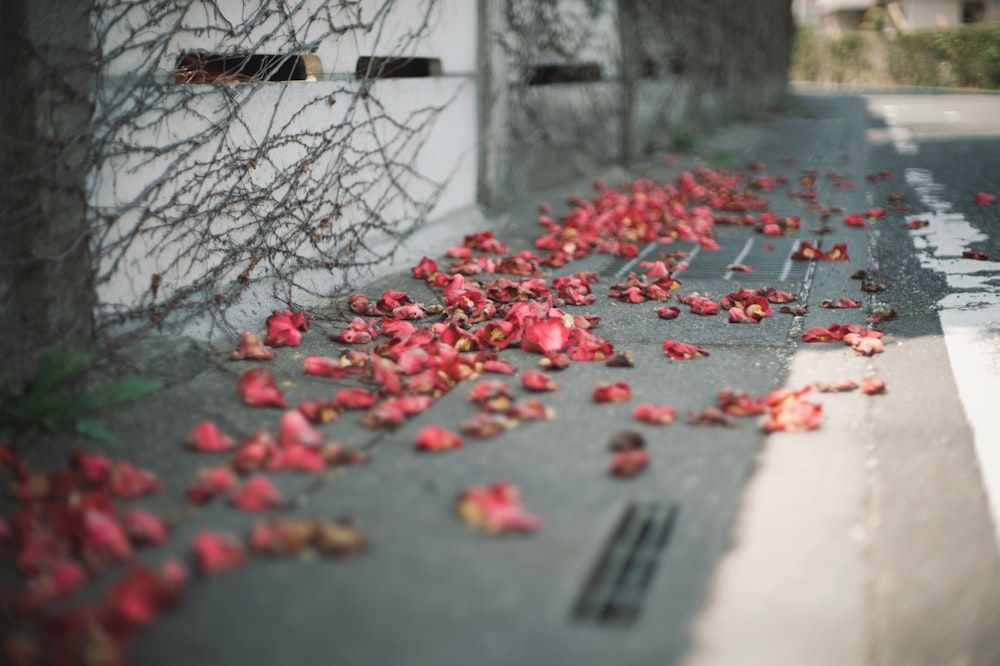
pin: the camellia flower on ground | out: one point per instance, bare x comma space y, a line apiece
627, 464
682, 351
129, 482
143, 528
321, 366
531, 409
282, 330
484, 425
548, 336
258, 389
206, 436
355, 398
791, 411
984, 199
210, 483
496, 509
872, 386
841, 303
436, 438
535, 380
839, 386
617, 392
655, 414
256, 494
251, 348
295, 429
668, 312
215, 552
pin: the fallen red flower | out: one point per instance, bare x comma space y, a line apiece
535, 380
548, 336
531, 409
282, 331
355, 398
668, 312
102, 539
129, 482
143, 527
841, 303
683, 351
710, 416
256, 494
822, 334
210, 483
740, 403
807, 252
790, 411
617, 392
215, 553
496, 509
258, 389
840, 386
655, 414
484, 425
854, 220
295, 429
321, 410
436, 438
872, 386
984, 199
917, 224
702, 306
206, 436
251, 348
976, 254
627, 464
321, 366
140, 596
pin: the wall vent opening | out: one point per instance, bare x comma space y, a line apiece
246, 68
543, 75
377, 67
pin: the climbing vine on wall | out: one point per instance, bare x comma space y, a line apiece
223, 165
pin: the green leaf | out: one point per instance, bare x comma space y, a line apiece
95, 429
131, 387
56, 366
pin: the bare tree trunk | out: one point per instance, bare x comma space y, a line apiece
46, 279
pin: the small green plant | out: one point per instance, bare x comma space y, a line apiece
682, 139
56, 398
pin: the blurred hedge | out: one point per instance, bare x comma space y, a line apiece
967, 56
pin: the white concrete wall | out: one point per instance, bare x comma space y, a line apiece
443, 151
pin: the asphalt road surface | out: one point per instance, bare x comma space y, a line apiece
866, 542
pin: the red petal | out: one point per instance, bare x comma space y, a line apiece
984, 199
682, 351
496, 509
282, 331
251, 349
535, 380
436, 438
143, 527
617, 392
545, 337
655, 414
216, 552
206, 436
258, 389
295, 429
210, 483
130, 482
355, 398
628, 463
322, 366
668, 312
256, 494
872, 386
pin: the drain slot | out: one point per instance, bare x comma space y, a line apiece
615, 590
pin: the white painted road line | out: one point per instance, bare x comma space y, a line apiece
970, 320
902, 138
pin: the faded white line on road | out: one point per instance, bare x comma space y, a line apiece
902, 138
970, 320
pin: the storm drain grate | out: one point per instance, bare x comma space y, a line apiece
624, 572
769, 265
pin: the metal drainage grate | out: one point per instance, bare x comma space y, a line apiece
615, 590
768, 266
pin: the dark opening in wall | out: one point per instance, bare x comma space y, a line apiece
583, 72
377, 67
257, 67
